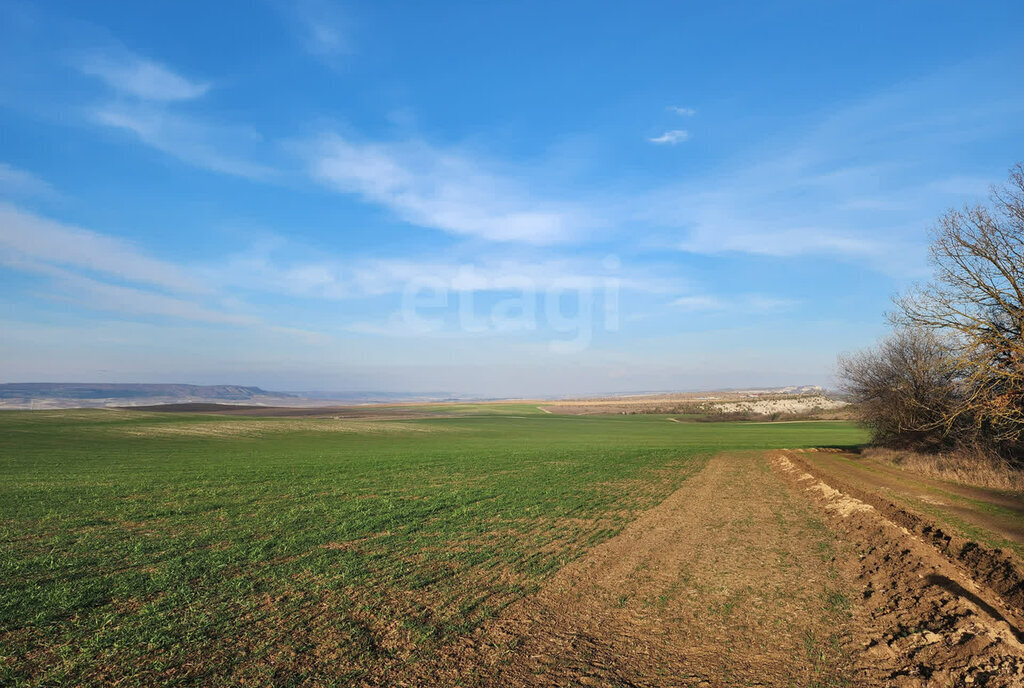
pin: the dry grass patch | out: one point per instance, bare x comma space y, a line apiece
976, 469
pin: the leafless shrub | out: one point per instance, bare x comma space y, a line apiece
904, 389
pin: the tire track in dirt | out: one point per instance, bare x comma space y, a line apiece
732, 580
923, 619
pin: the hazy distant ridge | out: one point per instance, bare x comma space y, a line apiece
101, 390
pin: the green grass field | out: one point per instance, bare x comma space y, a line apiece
183, 549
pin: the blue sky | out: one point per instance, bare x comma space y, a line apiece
518, 199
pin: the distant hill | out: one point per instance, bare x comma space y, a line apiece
77, 394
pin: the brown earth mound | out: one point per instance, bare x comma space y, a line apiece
932, 612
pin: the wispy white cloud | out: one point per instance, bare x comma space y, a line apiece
445, 190
103, 273
26, 238
187, 138
18, 182
785, 207
671, 137
104, 296
362, 278
682, 111
751, 304
136, 76
149, 102
323, 27
776, 239
698, 303
861, 185
768, 304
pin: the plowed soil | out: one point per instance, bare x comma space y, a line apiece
756, 573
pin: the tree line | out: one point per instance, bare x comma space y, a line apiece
951, 374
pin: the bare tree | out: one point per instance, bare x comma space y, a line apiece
976, 304
905, 388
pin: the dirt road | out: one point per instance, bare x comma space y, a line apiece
978, 511
754, 573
